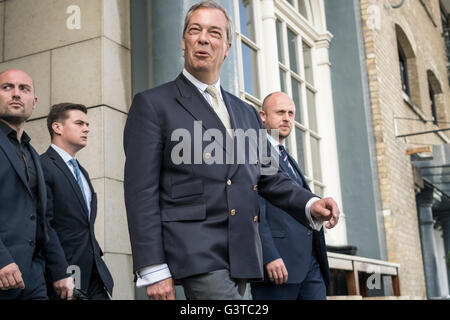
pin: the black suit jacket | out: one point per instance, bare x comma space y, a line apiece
286, 238
68, 215
187, 215
24, 232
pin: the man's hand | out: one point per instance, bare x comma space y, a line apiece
277, 271
11, 277
64, 288
163, 290
326, 209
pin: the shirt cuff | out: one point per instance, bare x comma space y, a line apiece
315, 225
150, 275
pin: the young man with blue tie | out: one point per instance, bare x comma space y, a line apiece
294, 254
72, 201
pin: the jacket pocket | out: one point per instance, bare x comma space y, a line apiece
187, 189
278, 233
184, 213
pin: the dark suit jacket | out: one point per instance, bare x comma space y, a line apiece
68, 215
286, 238
181, 214
24, 232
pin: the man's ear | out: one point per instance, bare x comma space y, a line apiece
57, 128
35, 100
227, 50
262, 114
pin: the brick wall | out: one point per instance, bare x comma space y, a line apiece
383, 26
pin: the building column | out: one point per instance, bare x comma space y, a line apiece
445, 223
329, 155
425, 202
270, 46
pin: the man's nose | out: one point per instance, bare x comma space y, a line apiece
16, 93
203, 37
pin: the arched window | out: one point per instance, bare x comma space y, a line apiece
435, 94
408, 68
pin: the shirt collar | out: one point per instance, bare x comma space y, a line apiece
273, 142
63, 153
10, 131
200, 85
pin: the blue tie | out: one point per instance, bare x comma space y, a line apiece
74, 163
285, 159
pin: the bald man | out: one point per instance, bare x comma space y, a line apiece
294, 254
25, 238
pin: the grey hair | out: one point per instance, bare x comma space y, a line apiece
210, 5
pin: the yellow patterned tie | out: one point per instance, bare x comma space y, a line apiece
220, 108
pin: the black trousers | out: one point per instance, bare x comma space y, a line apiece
96, 290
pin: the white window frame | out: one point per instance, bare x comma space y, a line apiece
301, 37
255, 45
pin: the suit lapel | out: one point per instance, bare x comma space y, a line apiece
194, 103
93, 208
40, 180
5, 144
59, 162
299, 172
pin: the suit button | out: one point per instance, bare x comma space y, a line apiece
31, 243
229, 182
32, 217
233, 212
255, 219
255, 187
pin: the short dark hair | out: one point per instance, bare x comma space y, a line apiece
59, 113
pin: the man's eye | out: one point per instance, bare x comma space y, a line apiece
194, 30
6, 87
216, 34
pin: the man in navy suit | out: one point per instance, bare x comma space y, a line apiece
193, 212
294, 254
26, 240
72, 202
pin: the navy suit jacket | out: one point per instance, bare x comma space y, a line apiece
187, 215
286, 238
68, 215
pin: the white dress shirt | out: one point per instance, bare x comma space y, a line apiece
87, 190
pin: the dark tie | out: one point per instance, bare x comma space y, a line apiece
285, 160
74, 164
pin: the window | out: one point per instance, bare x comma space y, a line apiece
409, 74
403, 70
302, 6
249, 51
436, 97
296, 72
432, 104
